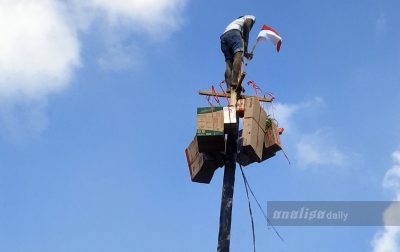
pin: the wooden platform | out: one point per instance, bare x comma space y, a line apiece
219, 94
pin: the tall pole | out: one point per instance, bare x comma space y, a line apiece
225, 218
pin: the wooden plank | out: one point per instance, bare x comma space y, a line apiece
220, 94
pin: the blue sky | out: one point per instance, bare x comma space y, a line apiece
98, 103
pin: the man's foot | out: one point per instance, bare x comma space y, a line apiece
235, 87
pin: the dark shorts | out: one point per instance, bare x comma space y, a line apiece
231, 42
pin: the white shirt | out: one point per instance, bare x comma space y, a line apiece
238, 23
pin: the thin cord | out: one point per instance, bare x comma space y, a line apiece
251, 213
265, 216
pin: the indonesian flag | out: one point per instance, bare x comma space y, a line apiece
270, 34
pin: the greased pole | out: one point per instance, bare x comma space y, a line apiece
225, 218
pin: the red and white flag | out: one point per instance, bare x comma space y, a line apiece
270, 34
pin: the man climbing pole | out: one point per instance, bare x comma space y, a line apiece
234, 43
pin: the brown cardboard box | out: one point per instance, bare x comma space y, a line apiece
202, 169
210, 129
252, 108
192, 151
254, 123
202, 165
272, 141
242, 158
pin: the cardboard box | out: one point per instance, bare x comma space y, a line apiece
254, 124
210, 129
230, 121
252, 108
210, 121
272, 141
242, 158
202, 169
192, 151
202, 165
267, 154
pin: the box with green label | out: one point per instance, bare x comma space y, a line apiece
210, 129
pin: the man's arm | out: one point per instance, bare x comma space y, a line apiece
248, 24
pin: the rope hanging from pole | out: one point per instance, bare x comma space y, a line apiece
251, 213
247, 185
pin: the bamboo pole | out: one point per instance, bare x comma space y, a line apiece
252, 50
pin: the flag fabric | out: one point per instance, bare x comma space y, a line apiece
270, 34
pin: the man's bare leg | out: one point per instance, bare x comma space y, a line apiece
228, 74
237, 64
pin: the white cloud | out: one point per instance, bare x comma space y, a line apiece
40, 47
38, 50
391, 216
319, 148
392, 176
283, 113
151, 15
156, 17
388, 240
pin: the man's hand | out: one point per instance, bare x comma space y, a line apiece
249, 56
